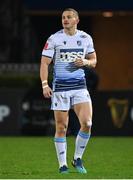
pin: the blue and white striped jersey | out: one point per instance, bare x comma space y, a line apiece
64, 49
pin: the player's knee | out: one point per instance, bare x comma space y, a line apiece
61, 130
87, 125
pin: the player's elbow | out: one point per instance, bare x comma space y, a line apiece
94, 64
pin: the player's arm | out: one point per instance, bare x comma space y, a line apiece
90, 60
45, 61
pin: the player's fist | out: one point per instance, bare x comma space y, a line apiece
79, 62
47, 92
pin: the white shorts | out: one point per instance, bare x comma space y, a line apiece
66, 99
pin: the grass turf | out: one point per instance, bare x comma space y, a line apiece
35, 158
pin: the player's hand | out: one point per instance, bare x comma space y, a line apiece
47, 92
79, 62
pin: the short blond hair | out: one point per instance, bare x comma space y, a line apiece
73, 10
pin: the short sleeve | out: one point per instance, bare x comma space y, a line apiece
90, 47
49, 49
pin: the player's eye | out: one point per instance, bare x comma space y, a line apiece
69, 17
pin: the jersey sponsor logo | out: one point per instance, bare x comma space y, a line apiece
47, 44
83, 36
69, 55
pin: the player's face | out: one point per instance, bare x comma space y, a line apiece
69, 19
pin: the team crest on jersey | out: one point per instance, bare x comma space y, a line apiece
79, 43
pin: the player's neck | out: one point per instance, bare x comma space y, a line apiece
70, 32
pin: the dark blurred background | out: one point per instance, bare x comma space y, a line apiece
25, 25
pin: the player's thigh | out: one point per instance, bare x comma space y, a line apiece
61, 117
83, 111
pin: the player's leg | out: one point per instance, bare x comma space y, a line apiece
83, 110
61, 121
61, 105
84, 113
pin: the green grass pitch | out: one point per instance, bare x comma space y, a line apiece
35, 158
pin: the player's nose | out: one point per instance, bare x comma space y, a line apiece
65, 21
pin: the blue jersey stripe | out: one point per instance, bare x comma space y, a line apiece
69, 84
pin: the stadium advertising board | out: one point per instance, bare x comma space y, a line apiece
28, 113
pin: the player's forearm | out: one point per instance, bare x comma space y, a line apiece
90, 62
44, 74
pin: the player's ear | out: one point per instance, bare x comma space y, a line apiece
77, 20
